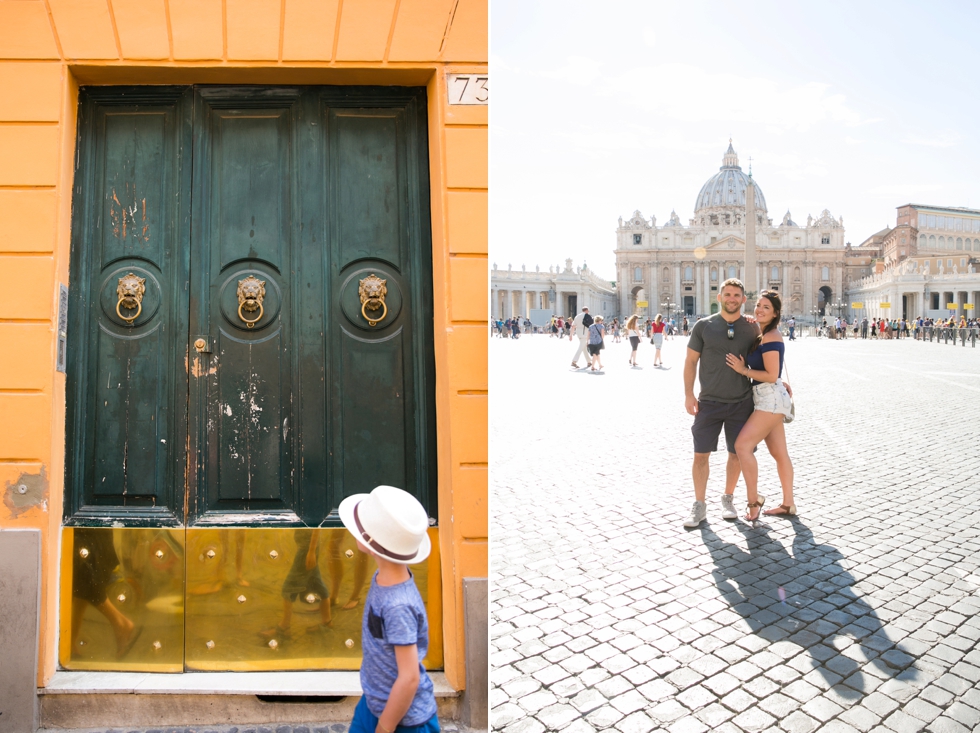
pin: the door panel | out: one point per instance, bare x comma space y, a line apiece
126, 393
370, 194
376, 223
244, 194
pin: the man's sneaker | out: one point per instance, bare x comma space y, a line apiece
728, 507
698, 514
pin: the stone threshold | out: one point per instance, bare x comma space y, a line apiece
326, 684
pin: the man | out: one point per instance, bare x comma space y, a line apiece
864, 327
725, 398
580, 328
791, 323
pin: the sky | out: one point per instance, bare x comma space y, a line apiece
601, 109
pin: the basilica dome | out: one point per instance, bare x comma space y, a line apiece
727, 187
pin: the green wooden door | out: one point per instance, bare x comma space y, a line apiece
187, 414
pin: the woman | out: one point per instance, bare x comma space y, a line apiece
597, 333
634, 336
658, 339
772, 401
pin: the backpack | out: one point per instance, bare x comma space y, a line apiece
587, 320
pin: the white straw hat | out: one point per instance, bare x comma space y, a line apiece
390, 521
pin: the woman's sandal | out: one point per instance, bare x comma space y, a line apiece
751, 505
781, 511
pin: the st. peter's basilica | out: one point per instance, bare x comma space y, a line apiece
684, 265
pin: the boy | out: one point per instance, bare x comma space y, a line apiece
390, 525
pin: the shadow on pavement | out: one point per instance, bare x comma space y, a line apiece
805, 598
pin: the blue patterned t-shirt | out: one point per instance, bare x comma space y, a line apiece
394, 616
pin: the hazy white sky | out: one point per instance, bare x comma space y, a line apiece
599, 109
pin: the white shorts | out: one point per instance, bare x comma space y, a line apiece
770, 397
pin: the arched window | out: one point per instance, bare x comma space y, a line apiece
775, 274
666, 275
942, 243
714, 274
796, 273
688, 273
825, 273
731, 271
959, 243
922, 240
932, 241
637, 274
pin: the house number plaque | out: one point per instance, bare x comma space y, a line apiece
468, 88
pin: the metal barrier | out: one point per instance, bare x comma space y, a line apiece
945, 335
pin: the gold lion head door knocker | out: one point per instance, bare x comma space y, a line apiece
130, 291
373, 290
251, 293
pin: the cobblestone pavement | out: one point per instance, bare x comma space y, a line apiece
860, 614
446, 726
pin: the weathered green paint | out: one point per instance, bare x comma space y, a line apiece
309, 189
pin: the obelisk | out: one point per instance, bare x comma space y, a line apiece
751, 281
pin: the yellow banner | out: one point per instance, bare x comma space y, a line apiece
642, 303
951, 306
884, 305
968, 306
857, 306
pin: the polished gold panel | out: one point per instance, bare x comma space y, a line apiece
287, 598
236, 599
122, 599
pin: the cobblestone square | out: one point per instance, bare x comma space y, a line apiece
860, 614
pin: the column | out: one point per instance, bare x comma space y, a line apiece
704, 302
678, 292
809, 302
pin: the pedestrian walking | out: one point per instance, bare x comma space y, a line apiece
791, 325
597, 334
634, 336
772, 402
580, 329
658, 339
391, 525
724, 399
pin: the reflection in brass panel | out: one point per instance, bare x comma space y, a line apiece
122, 601
252, 604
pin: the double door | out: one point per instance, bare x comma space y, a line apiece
250, 314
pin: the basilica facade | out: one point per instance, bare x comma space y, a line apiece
680, 267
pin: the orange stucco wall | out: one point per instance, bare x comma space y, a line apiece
49, 47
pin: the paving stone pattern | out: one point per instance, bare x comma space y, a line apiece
860, 614
446, 726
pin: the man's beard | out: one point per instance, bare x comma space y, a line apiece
729, 308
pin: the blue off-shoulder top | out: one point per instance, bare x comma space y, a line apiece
754, 360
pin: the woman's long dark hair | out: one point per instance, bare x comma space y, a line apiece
777, 309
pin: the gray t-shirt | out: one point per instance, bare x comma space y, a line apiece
394, 616
709, 337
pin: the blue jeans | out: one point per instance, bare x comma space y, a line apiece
365, 722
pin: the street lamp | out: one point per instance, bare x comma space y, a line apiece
669, 306
839, 306
816, 314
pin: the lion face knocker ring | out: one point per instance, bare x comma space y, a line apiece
130, 291
373, 290
251, 293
